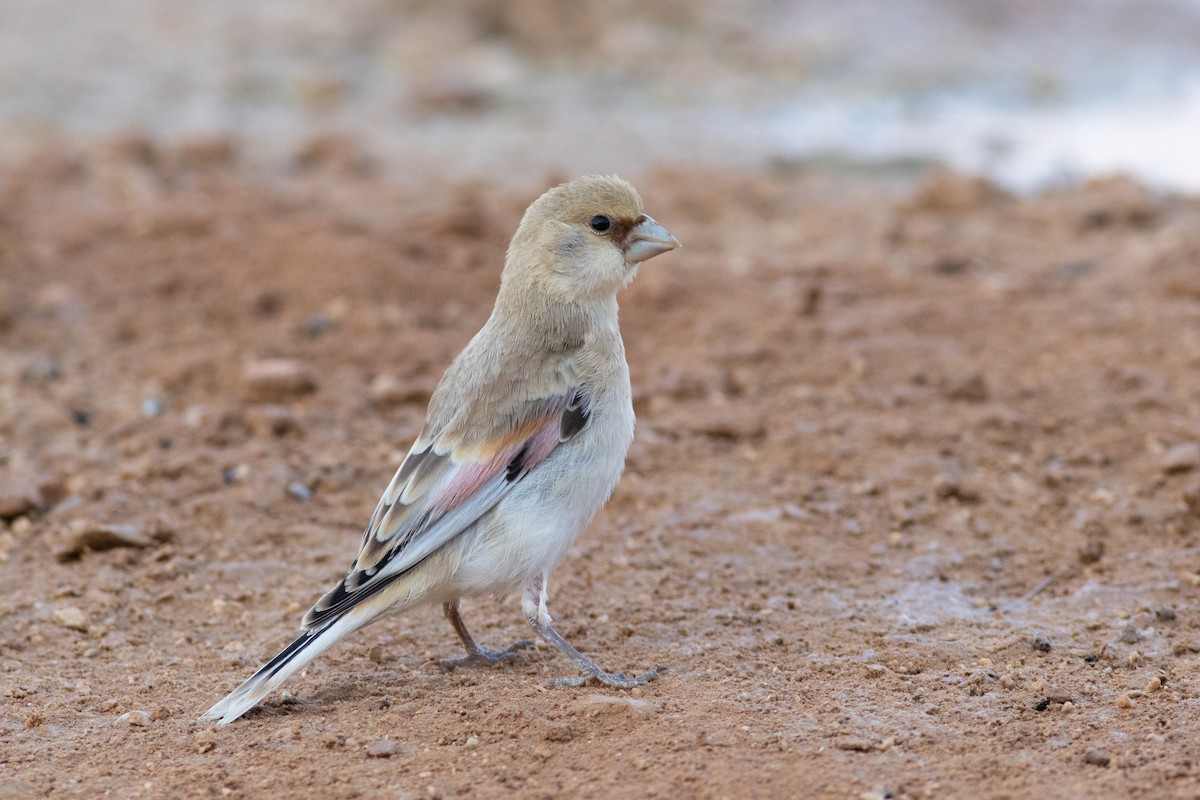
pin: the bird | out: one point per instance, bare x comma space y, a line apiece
523, 442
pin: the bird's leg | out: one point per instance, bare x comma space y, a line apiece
476, 654
533, 603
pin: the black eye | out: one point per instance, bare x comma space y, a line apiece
600, 223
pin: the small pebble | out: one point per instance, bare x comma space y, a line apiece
1153, 685
971, 387
71, 618
1096, 757
316, 325
18, 500
1124, 701
299, 491
41, 369
876, 794
1181, 458
1091, 552
277, 379
1041, 644
273, 419
388, 390
951, 487
856, 745
1165, 614
152, 407
138, 719
231, 475
472, 742
384, 748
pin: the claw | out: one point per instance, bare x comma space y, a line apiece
483, 656
618, 681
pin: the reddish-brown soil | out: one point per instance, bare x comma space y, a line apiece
913, 508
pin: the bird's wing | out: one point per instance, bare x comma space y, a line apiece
446, 483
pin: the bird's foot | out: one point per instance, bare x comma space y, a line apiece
619, 681
483, 656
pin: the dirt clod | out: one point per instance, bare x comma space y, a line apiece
384, 748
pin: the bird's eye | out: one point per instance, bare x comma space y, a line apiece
600, 223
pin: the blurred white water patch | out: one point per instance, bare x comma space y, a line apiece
1029, 92
1151, 134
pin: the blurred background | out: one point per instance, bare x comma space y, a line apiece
1027, 92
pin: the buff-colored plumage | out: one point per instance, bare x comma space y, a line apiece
524, 440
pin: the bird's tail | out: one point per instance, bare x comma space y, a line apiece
303, 650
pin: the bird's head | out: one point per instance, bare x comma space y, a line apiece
584, 239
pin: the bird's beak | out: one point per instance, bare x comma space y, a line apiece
647, 240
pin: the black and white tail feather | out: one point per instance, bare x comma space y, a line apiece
290, 660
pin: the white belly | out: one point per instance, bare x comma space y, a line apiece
529, 532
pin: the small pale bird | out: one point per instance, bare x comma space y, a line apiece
524, 440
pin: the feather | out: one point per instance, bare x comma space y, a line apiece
435, 495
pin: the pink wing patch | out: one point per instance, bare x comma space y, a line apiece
469, 478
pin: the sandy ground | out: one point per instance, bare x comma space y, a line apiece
913, 508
